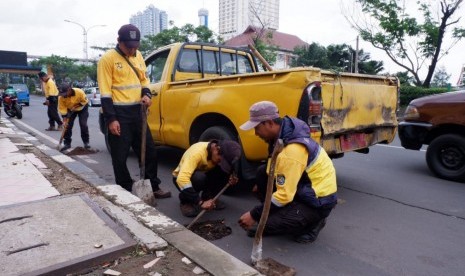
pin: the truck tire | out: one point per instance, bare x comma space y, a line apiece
217, 132
445, 157
223, 133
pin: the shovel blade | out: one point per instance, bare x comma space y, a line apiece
143, 190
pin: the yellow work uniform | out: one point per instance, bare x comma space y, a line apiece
291, 163
195, 158
72, 103
50, 88
119, 83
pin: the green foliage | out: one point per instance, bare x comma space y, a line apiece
408, 93
266, 48
337, 57
175, 34
410, 41
404, 78
66, 69
441, 78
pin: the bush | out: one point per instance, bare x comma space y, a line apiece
408, 93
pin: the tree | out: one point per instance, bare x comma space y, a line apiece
441, 78
312, 55
408, 42
338, 57
404, 78
175, 34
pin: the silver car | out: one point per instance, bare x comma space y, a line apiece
93, 95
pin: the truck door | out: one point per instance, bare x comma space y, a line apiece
155, 72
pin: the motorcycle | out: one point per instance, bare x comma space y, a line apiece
10, 104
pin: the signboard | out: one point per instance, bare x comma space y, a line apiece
13, 58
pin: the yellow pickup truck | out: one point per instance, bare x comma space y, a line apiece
204, 91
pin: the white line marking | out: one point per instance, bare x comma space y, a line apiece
37, 132
396, 147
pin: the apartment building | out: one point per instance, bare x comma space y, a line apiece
235, 16
151, 21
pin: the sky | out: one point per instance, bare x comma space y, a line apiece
38, 27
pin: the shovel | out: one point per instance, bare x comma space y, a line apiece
268, 266
203, 211
143, 188
65, 126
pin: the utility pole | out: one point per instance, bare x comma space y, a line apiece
356, 57
85, 32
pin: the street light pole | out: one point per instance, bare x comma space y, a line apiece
85, 32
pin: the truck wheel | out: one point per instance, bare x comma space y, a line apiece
217, 132
445, 157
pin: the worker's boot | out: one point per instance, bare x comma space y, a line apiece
189, 210
65, 147
312, 234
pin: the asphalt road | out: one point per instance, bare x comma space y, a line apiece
394, 216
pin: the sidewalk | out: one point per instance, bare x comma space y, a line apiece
23, 184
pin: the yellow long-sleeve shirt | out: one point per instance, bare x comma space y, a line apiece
75, 102
195, 158
50, 88
120, 86
292, 163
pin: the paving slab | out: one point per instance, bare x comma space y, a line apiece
57, 236
20, 180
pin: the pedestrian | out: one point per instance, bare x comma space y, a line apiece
304, 191
124, 89
72, 102
205, 168
51, 101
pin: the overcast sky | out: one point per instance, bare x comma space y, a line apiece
38, 28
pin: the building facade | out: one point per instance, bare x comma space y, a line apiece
203, 17
235, 16
284, 43
151, 21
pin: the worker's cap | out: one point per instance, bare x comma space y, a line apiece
230, 152
129, 35
63, 90
260, 112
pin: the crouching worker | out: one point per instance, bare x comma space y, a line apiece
304, 191
204, 169
72, 102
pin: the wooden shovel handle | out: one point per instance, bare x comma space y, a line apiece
278, 147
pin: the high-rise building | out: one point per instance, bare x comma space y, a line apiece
151, 21
203, 17
236, 15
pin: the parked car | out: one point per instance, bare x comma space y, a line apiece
438, 121
93, 95
22, 91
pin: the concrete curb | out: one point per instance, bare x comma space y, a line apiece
138, 217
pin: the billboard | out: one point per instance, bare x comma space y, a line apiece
13, 58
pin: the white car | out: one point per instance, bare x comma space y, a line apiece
93, 95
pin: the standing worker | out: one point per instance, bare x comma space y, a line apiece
72, 102
124, 89
205, 167
51, 101
304, 182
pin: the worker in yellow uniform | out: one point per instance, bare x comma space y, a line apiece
72, 102
51, 101
304, 181
124, 90
205, 168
